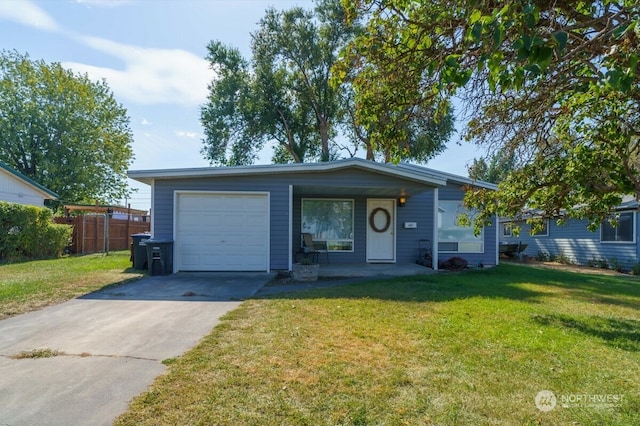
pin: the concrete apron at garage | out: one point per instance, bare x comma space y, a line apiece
111, 345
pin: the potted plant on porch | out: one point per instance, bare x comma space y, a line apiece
305, 270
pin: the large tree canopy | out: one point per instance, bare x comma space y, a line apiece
283, 95
288, 93
554, 83
63, 130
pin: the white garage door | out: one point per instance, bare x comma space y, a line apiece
222, 232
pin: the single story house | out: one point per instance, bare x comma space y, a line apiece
251, 218
615, 246
17, 188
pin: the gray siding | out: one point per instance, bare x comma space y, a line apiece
279, 204
576, 242
352, 183
418, 209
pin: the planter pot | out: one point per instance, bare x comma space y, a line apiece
305, 272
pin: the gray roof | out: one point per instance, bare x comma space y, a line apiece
402, 170
46, 192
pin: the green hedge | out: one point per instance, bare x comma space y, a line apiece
28, 232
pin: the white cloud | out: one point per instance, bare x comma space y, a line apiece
27, 13
145, 122
190, 135
150, 75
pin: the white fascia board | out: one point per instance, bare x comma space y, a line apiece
146, 176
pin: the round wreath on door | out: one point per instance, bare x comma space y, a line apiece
372, 219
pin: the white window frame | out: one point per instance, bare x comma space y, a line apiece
460, 210
329, 241
507, 226
633, 231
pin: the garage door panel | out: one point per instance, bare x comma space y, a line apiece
222, 232
255, 220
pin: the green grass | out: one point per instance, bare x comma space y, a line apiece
28, 286
469, 348
38, 353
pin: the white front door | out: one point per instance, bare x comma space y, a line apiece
381, 230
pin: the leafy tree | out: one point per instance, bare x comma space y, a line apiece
415, 132
284, 95
289, 93
499, 166
556, 83
63, 130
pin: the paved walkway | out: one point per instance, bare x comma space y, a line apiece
111, 342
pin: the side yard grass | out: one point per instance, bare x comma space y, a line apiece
28, 286
471, 348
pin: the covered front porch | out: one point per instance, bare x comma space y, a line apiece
364, 219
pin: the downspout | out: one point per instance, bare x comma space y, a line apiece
434, 248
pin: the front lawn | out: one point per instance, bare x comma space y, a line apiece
470, 348
28, 286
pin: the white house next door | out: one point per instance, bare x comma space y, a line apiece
381, 230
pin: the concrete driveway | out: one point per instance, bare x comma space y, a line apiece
112, 343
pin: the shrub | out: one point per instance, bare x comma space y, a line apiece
28, 232
543, 256
636, 269
564, 259
454, 264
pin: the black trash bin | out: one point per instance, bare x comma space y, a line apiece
160, 256
139, 251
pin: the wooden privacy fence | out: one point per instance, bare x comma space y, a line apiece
90, 235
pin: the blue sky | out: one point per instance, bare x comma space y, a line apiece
151, 53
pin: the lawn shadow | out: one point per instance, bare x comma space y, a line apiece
417, 288
506, 281
617, 333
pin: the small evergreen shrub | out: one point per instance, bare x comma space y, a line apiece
28, 232
544, 256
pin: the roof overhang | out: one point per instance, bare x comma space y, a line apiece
45, 192
420, 175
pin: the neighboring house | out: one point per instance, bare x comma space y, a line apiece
17, 188
251, 217
618, 246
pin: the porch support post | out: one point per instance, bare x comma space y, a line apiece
434, 246
290, 227
152, 212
